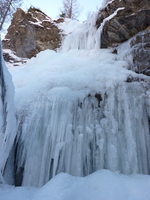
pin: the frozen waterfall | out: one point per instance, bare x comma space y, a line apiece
78, 113
82, 136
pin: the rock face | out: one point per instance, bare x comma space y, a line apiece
31, 32
132, 16
11, 59
128, 21
140, 49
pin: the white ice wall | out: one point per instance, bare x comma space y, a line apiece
64, 127
7, 118
81, 137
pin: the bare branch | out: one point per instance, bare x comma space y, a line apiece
7, 7
71, 9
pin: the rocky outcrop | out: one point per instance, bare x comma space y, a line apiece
11, 59
140, 45
31, 32
128, 21
129, 17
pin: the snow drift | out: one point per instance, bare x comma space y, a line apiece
101, 185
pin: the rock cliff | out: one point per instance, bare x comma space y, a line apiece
140, 50
31, 32
128, 21
129, 17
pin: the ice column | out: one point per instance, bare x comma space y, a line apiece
7, 118
109, 130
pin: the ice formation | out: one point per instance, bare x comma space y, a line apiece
7, 118
104, 131
85, 36
77, 112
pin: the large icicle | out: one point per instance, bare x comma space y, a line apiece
7, 118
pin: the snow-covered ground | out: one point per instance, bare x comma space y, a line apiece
101, 185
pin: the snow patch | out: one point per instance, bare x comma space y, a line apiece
102, 185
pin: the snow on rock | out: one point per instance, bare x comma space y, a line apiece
86, 35
106, 2
11, 59
136, 52
31, 32
104, 21
126, 23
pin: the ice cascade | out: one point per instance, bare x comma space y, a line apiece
80, 137
77, 124
85, 36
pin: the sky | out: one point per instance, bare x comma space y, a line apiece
52, 7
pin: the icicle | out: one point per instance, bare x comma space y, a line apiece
83, 37
7, 118
79, 125
80, 137
86, 36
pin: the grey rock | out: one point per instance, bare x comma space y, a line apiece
140, 45
131, 24
133, 18
31, 32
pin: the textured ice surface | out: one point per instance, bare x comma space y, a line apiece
77, 113
7, 118
102, 131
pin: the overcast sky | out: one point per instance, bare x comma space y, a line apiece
52, 7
